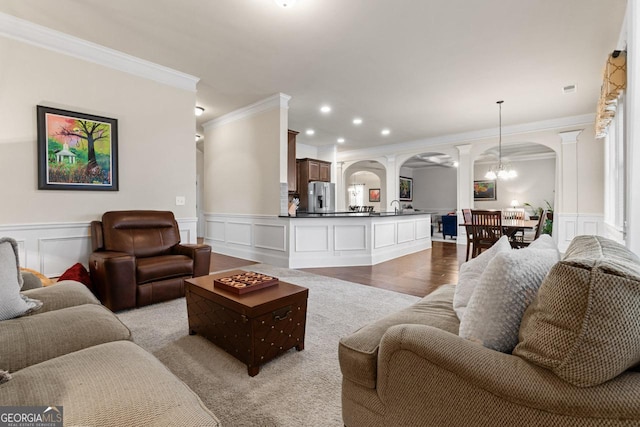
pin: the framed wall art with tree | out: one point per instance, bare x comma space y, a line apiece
76, 151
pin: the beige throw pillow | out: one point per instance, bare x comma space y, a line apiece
470, 273
584, 324
507, 287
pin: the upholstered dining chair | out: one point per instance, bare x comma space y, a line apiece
487, 229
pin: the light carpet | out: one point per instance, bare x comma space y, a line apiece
295, 389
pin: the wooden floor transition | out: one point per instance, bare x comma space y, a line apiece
417, 274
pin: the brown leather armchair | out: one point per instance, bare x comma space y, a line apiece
138, 260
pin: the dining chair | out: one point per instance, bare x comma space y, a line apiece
487, 229
466, 213
512, 215
526, 242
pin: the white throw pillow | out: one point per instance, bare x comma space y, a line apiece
12, 302
507, 287
470, 273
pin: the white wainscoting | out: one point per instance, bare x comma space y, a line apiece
567, 226
317, 242
254, 237
51, 248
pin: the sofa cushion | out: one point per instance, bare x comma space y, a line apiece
358, 353
584, 323
62, 295
163, 267
116, 383
34, 339
506, 288
12, 302
470, 273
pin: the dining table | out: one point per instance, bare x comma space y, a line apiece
511, 226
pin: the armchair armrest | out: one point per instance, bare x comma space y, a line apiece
114, 277
201, 256
422, 366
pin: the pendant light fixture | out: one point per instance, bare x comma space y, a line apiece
501, 170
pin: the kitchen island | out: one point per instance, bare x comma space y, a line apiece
337, 239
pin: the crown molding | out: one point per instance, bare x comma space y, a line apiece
46, 38
466, 137
280, 100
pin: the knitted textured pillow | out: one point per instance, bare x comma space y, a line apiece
470, 273
584, 324
507, 287
12, 302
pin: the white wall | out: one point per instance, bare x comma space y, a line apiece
155, 141
435, 189
304, 151
242, 164
535, 184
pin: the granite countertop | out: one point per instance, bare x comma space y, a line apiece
354, 214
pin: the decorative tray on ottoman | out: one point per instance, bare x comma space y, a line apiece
245, 282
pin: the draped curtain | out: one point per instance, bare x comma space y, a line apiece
614, 82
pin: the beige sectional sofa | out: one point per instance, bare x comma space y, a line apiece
76, 353
575, 363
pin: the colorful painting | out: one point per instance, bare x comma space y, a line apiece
374, 194
484, 190
406, 189
76, 151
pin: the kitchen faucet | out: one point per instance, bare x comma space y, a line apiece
396, 209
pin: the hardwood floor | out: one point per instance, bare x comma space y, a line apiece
221, 262
417, 274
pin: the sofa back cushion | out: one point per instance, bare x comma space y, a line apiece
140, 233
584, 323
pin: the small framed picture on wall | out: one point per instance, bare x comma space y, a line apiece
484, 190
374, 194
406, 189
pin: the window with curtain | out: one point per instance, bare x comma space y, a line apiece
610, 125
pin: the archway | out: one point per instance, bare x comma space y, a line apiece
364, 185
535, 184
434, 180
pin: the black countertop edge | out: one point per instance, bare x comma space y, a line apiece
354, 214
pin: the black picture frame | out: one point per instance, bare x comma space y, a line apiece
76, 151
406, 189
485, 190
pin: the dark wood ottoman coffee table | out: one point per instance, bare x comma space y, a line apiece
254, 327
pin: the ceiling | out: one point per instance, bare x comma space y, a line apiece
421, 68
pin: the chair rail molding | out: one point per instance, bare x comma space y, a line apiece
51, 248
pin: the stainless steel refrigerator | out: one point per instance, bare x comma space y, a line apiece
322, 196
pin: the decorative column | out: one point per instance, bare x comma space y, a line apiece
565, 216
465, 188
393, 181
341, 189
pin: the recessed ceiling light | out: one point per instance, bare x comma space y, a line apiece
287, 4
310, 132
198, 137
385, 132
357, 121
325, 109
340, 140
199, 111
456, 164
